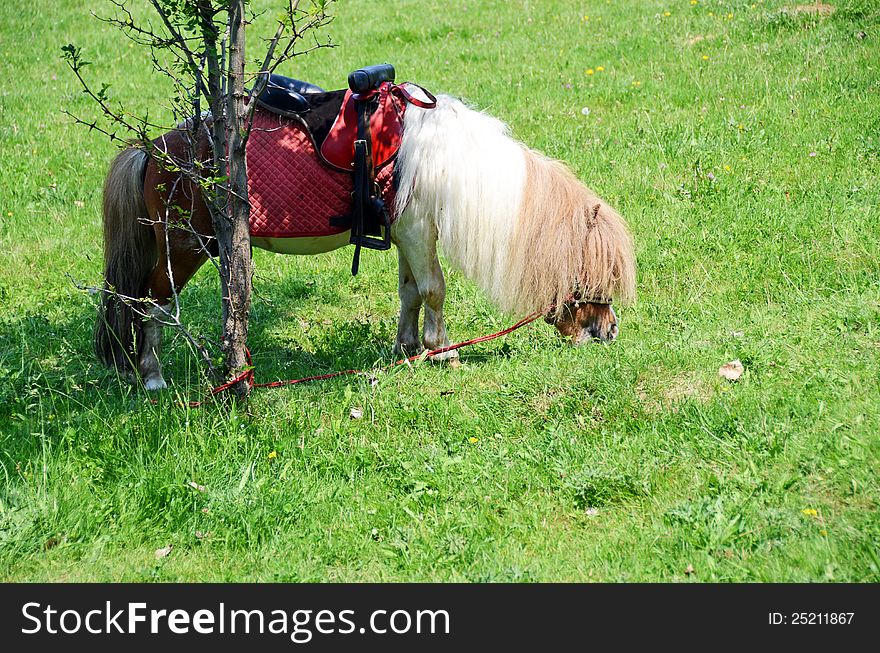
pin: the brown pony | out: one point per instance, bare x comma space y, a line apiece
521, 225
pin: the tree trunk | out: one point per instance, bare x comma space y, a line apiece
228, 205
235, 246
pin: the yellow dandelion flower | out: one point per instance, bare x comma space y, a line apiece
729, 16
740, 126
9, 214
693, 2
273, 454
473, 440
590, 71
810, 512
705, 57
585, 18
667, 13
727, 168
823, 532
599, 69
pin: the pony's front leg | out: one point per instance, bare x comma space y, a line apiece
433, 290
408, 342
416, 237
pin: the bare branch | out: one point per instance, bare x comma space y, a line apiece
182, 46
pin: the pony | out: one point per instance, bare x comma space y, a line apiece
521, 225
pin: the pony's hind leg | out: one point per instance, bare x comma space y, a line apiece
149, 363
165, 282
408, 342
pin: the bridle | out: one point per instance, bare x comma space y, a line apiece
592, 300
576, 301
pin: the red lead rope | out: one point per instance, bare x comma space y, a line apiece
249, 373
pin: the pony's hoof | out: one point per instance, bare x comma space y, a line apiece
154, 385
448, 357
407, 349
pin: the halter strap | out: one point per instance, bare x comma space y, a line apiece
576, 300
594, 300
571, 299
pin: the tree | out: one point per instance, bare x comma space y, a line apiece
200, 45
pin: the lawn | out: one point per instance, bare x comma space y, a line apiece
741, 140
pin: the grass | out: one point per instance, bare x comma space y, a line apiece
742, 142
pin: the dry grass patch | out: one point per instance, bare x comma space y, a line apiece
815, 9
658, 393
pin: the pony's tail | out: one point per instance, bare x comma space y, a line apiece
130, 255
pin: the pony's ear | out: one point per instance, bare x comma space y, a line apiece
609, 260
594, 218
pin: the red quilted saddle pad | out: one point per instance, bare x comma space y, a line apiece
292, 193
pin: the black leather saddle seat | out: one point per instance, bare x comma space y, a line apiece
304, 102
285, 95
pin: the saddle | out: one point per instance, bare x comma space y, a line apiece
286, 96
357, 131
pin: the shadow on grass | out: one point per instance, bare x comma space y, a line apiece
52, 386
300, 329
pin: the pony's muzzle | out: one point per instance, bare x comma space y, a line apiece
583, 322
606, 332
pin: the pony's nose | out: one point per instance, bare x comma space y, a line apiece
613, 330
604, 332
601, 333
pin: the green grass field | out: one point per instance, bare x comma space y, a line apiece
741, 140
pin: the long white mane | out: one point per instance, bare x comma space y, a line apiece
516, 222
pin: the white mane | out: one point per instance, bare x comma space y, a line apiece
519, 224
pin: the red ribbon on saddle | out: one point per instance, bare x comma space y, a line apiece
386, 125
